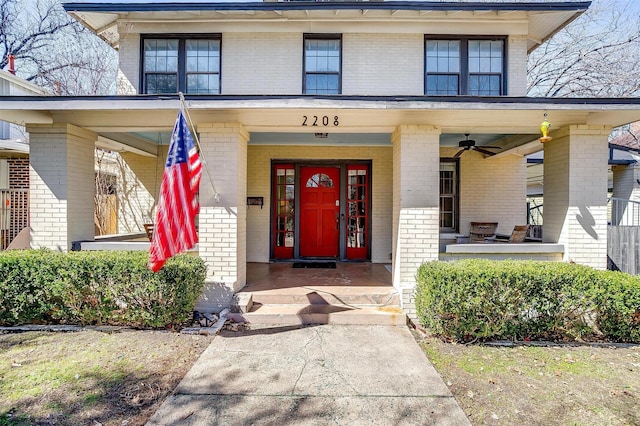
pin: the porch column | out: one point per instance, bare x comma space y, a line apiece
575, 193
416, 177
62, 185
223, 223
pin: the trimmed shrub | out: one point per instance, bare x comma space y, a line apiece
478, 299
111, 287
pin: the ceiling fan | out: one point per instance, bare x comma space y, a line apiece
468, 144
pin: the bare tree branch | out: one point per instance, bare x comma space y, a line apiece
53, 50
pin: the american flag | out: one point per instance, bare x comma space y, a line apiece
175, 229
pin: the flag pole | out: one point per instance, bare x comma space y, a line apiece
183, 105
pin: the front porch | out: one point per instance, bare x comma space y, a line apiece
351, 293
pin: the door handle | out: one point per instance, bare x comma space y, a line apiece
337, 221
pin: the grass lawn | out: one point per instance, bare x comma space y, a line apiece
90, 377
533, 385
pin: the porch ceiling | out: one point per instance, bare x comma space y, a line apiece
511, 122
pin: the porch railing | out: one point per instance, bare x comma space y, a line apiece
623, 212
534, 213
14, 214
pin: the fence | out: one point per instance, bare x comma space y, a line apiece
14, 214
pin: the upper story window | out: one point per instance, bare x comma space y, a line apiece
473, 67
322, 64
181, 64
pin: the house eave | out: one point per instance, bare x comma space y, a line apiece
172, 5
539, 21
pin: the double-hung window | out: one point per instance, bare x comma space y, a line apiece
322, 64
448, 195
181, 64
469, 66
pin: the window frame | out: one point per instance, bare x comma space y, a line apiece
464, 74
182, 60
317, 36
456, 195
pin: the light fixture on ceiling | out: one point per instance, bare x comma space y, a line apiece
544, 129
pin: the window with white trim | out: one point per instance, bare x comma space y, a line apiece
182, 64
322, 64
473, 67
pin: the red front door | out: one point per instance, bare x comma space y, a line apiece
319, 211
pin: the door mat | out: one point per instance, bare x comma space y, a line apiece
321, 265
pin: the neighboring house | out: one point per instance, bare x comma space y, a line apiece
339, 123
625, 161
14, 163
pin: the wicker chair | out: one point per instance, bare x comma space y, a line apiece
148, 228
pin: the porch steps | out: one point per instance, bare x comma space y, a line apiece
352, 305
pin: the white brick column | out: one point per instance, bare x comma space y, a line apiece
223, 224
61, 185
416, 177
575, 193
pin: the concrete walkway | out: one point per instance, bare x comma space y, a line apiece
323, 375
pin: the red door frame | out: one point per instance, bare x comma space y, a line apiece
353, 211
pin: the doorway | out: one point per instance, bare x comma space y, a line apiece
321, 210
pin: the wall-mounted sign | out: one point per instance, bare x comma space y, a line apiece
255, 201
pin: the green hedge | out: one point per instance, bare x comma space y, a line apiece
111, 287
478, 299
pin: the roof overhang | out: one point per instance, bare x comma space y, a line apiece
539, 21
22, 83
517, 120
14, 146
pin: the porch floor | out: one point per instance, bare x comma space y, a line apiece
269, 276
352, 293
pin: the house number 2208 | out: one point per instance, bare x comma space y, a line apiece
316, 121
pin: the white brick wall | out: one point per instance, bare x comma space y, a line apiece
575, 193
129, 69
139, 180
259, 185
62, 185
262, 63
517, 66
271, 62
383, 64
492, 190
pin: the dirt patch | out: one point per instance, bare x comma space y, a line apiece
554, 385
91, 377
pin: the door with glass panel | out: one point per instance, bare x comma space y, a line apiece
284, 188
357, 212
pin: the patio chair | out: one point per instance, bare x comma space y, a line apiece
480, 231
518, 235
148, 228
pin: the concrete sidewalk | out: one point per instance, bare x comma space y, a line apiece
323, 375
